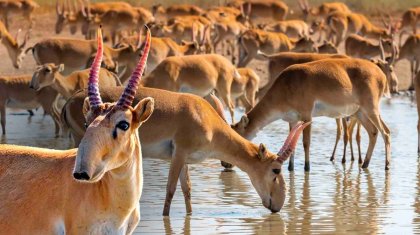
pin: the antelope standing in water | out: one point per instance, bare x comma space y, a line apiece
103, 195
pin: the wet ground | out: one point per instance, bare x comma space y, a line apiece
332, 199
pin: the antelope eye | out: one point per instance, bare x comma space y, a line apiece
276, 171
123, 125
86, 125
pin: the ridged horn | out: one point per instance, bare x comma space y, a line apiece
93, 84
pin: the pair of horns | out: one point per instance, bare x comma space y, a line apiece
291, 141
130, 90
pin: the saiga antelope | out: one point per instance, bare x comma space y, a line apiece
49, 75
64, 50
191, 132
15, 50
103, 194
360, 47
334, 88
322, 10
196, 74
292, 28
255, 40
16, 7
411, 51
410, 19
327, 48
15, 93
262, 9
176, 10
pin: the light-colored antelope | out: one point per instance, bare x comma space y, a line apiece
64, 50
15, 93
410, 50
255, 40
68, 14
179, 30
15, 50
49, 75
323, 10
196, 74
360, 47
334, 88
292, 28
227, 31
262, 9
410, 19
245, 87
17, 7
103, 194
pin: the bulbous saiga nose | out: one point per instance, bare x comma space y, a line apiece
81, 175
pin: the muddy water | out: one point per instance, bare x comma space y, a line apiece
332, 199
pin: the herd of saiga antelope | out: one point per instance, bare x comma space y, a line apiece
178, 127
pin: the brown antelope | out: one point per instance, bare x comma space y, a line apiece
255, 40
179, 30
410, 19
49, 75
17, 7
160, 49
215, 14
327, 48
176, 10
15, 50
67, 14
410, 50
15, 93
245, 87
193, 132
262, 9
334, 88
196, 74
109, 153
227, 31
64, 50
360, 47
292, 28
280, 61
322, 10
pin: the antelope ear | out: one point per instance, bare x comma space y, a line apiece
143, 110
61, 68
86, 107
262, 152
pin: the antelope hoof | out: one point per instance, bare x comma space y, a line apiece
226, 165
332, 158
343, 160
365, 165
307, 166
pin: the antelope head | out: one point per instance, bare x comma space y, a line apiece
111, 137
45, 75
17, 51
62, 15
387, 65
267, 177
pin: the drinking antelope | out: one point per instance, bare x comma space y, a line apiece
196, 74
194, 131
15, 50
103, 194
49, 75
334, 88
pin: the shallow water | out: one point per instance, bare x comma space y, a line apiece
332, 199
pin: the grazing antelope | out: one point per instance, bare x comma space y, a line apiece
327, 48
255, 40
64, 50
411, 51
49, 75
245, 87
292, 28
103, 194
334, 88
15, 50
17, 7
176, 10
15, 93
196, 74
262, 9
